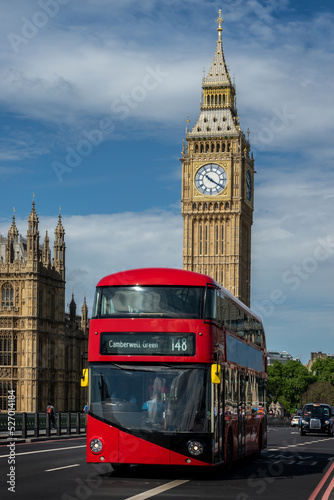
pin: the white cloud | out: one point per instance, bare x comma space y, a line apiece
97, 245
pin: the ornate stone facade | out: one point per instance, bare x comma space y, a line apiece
217, 186
40, 345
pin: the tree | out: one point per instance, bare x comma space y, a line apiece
319, 392
287, 382
323, 370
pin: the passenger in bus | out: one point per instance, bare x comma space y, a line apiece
154, 406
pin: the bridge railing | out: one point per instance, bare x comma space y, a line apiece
24, 425
278, 421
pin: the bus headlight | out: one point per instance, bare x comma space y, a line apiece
195, 448
96, 445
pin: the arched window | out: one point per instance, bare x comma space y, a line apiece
7, 295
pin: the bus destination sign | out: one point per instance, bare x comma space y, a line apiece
147, 344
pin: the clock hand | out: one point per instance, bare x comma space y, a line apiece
211, 180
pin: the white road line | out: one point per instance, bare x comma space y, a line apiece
296, 445
45, 451
159, 489
60, 468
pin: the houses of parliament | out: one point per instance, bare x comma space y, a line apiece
40, 344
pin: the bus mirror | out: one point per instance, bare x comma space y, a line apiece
216, 373
84, 378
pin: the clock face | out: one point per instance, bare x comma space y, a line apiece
210, 179
248, 186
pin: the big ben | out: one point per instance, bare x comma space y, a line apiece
218, 185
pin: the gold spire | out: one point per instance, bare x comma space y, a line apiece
220, 29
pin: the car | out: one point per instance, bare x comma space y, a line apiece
317, 418
295, 421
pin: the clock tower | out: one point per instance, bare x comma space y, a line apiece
217, 185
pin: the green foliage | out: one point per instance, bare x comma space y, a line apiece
287, 382
319, 392
323, 369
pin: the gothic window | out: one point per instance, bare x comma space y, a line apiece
7, 295
222, 240
205, 206
4, 388
194, 206
8, 350
227, 206
205, 119
207, 147
200, 239
212, 148
220, 99
216, 206
202, 148
223, 147
206, 240
223, 98
217, 243
196, 148
218, 145
216, 102
224, 118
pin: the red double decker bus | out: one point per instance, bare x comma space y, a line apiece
177, 372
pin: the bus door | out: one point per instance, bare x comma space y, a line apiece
219, 427
242, 416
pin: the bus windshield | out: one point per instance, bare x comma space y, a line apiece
151, 398
148, 301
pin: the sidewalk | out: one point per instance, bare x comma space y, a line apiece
4, 438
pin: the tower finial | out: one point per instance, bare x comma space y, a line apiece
220, 20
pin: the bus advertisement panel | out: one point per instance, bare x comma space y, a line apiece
177, 372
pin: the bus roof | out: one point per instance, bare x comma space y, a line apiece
155, 276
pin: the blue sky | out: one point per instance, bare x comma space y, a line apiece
94, 98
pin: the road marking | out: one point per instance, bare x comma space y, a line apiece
60, 468
45, 451
322, 482
296, 445
328, 491
159, 489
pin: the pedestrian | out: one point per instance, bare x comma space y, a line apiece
85, 409
51, 411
